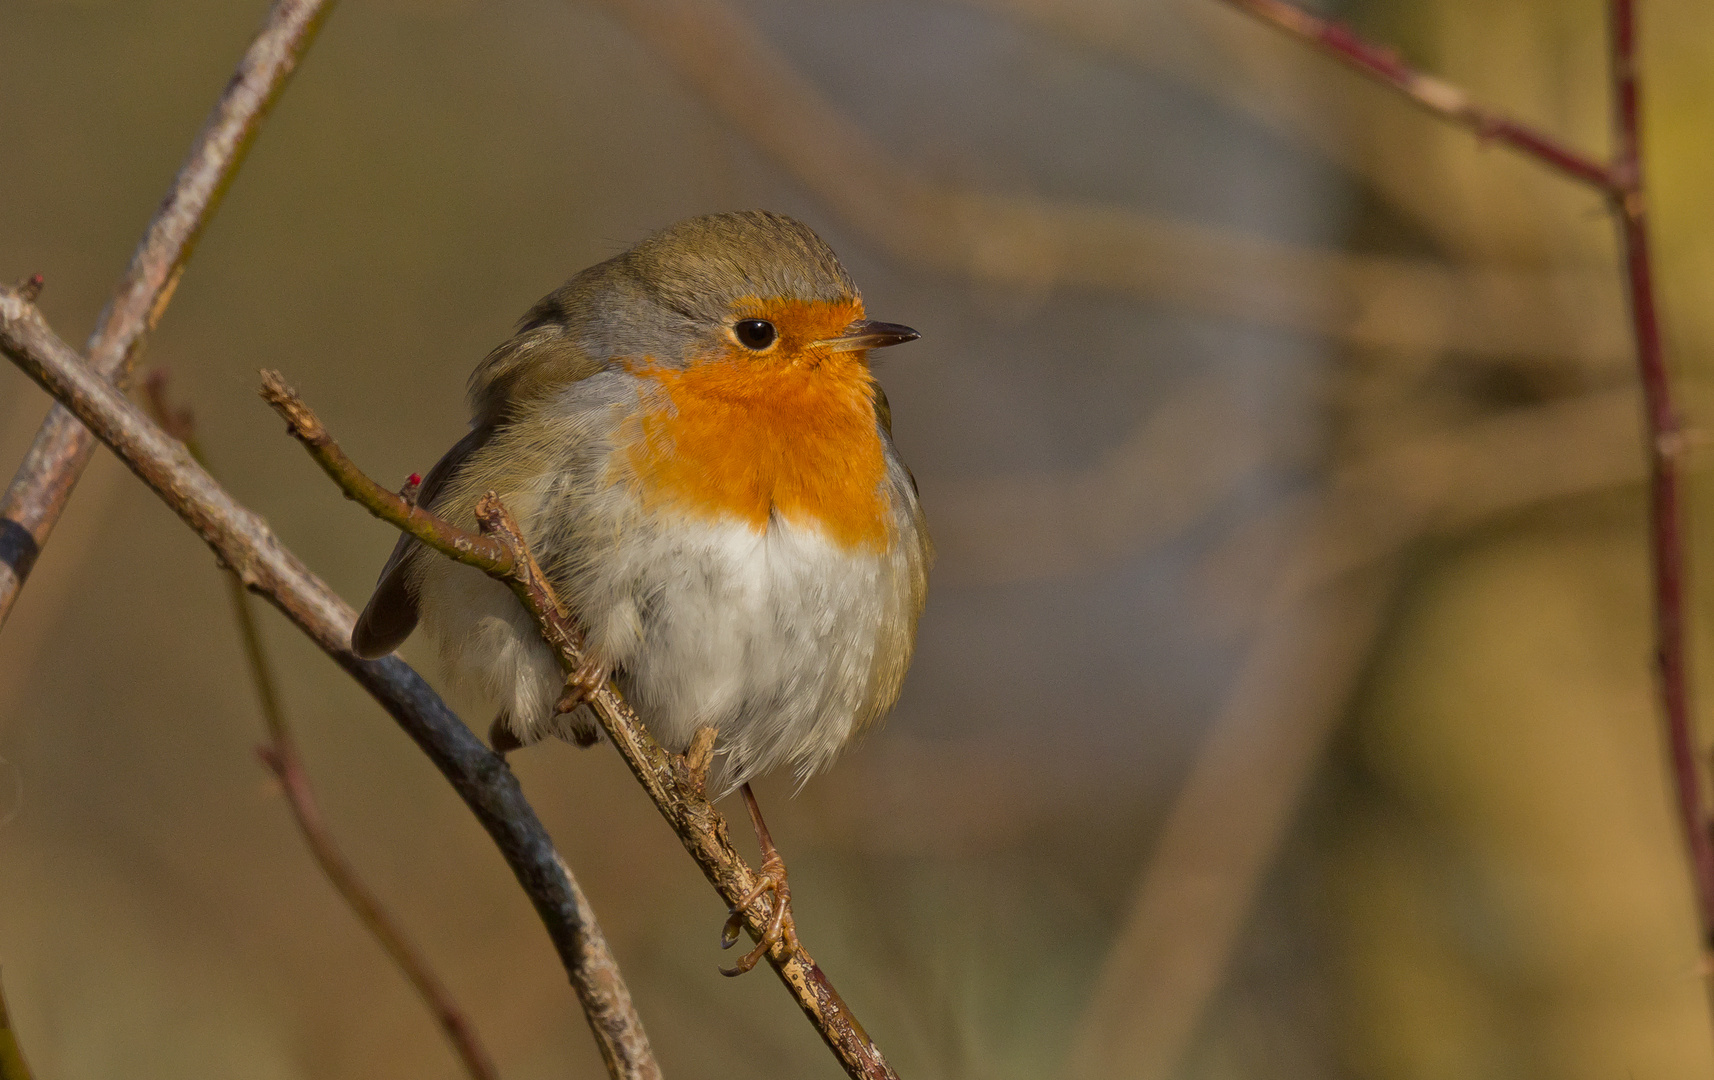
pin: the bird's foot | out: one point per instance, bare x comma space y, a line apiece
583, 684
780, 928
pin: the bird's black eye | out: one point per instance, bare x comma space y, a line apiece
755, 334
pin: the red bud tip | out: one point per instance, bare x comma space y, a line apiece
37, 280
415, 479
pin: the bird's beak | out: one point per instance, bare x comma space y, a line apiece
869, 334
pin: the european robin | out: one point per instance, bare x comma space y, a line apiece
698, 454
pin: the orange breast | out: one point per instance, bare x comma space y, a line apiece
737, 438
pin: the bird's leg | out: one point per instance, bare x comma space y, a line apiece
771, 879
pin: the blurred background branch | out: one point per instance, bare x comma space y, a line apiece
245, 544
1288, 432
1225, 826
39, 490
285, 761
1035, 244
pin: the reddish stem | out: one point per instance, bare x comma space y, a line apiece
1623, 183
1666, 442
1437, 96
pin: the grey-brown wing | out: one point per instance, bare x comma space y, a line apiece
391, 613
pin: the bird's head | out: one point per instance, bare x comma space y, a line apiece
756, 291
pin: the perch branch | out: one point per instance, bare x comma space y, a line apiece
62, 447
671, 782
12, 1065
1439, 97
242, 541
285, 761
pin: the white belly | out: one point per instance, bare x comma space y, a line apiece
778, 639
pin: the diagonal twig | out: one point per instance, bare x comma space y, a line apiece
285, 761
671, 780
1367, 300
1439, 97
42, 485
244, 543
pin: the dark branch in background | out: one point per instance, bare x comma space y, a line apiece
12, 1066
39, 490
1622, 182
674, 782
244, 543
283, 758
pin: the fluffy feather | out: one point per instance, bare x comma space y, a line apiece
756, 578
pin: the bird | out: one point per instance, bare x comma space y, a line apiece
694, 445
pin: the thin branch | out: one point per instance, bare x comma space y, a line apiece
244, 543
1194, 895
1437, 96
1371, 301
1140, 1026
12, 1065
1623, 183
672, 782
1666, 444
1314, 623
42, 485
285, 760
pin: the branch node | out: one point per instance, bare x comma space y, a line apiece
495, 520
31, 287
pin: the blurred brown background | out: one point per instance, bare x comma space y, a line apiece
1283, 701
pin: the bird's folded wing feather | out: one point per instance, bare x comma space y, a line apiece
391, 613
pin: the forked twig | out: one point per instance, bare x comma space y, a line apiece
1666, 447
284, 760
675, 787
1367, 300
39, 489
1168, 959
244, 543
1622, 182
1439, 97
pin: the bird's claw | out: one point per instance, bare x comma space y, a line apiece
780, 928
582, 684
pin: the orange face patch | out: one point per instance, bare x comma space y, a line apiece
789, 430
